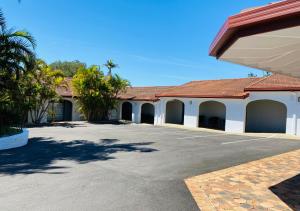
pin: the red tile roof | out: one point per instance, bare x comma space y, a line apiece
276, 82
132, 93
226, 88
144, 93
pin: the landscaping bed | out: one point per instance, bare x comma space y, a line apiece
9, 131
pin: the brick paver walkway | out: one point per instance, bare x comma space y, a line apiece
269, 184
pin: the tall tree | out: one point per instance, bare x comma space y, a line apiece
17, 57
69, 68
110, 65
42, 84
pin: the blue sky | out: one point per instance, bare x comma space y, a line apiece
155, 42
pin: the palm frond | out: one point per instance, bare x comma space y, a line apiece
2, 21
25, 36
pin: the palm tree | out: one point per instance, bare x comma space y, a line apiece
110, 65
16, 50
16, 57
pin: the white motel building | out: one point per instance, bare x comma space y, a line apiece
266, 38
263, 105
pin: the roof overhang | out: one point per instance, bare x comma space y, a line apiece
140, 99
274, 89
266, 38
244, 96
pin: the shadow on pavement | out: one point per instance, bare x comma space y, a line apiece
111, 122
76, 124
289, 192
40, 154
57, 124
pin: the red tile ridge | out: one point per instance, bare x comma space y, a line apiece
258, 81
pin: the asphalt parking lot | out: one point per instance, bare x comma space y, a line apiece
80, 166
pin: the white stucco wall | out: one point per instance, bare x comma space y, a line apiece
235, 115
137, 110
76, 115
236, 110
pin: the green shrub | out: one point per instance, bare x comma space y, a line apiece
96, 93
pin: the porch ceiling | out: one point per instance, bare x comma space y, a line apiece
277, 51
266, 38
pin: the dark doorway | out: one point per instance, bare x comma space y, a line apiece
175, 112
61, 111
67, 116
147, 114
266, 116
127, 111
212, 114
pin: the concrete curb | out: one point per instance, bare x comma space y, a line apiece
14, 141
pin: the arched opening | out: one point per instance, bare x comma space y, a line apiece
175, 112
127, 111
266, 116
212, 115
60, 111
147, 114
